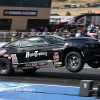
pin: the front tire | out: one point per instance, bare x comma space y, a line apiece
5, 67
74, 62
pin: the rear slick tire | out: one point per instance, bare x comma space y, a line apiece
5, 67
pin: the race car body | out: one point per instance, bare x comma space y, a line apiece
30, 54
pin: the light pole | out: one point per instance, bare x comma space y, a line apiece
79, 7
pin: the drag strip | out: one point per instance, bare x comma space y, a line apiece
54, 76
47, 84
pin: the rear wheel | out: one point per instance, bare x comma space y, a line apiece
29, 71
5, 67
94, 64
74, 62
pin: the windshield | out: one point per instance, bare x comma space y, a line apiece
54, 39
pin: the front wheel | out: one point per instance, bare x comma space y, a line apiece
5, 67
74, 62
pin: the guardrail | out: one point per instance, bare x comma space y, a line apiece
8, 36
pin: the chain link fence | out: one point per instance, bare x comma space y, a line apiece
10, 36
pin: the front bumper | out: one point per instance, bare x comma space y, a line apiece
93, 55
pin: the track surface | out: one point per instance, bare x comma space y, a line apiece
54, 76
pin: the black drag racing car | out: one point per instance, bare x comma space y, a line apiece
32, 53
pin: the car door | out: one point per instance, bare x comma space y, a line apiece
34, 49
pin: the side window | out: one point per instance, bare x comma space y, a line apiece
40, 41
17, 43
32, 42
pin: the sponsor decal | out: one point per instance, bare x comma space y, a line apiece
55, 49
61, 48
56, 56
49, 60
58, 65
6, 55
2, 51
13, 55
56, 59
30, 65
14, 61
46, 66
52, 65
49, 63
35, 54
9, 57
41, 64
14, 58
56, 53
14, 66
85, 85
24, 67
34, 64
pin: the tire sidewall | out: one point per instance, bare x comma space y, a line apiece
80, 65
9, 67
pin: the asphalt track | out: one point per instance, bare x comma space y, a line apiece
55, 76
47, 84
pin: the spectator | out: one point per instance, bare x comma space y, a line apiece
56, 30
46, 29
85, 35
89, 29
63, 35
84, 30
33, 29
13, 37
97, 30
60, 33
50, 29
44, 33
99, 35
92, 25
55, 33
72, 34
78, 34
53, 28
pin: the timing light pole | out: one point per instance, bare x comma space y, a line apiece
79, 7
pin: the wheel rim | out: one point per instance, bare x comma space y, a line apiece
3, 66
73, 61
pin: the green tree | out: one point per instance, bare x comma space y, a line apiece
68, 13
89, 11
